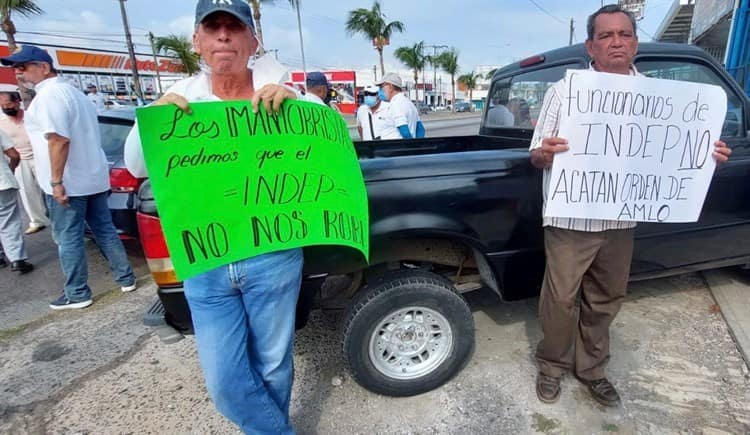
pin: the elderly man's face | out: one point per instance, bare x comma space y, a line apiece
225, 43
614, 44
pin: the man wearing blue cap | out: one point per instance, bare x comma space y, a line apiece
319, 90
243, 312
73, 173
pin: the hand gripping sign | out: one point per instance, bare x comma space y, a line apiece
640, 148
230, 184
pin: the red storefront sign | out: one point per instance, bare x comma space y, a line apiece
344, 82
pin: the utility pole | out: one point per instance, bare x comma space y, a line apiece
301, 45
572, 29
275, 52
435, 48
375, 73
156, 62
131, 52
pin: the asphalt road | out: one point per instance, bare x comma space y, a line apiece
442, 124
24, 298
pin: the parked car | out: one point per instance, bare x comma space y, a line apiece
423, 108
463, 106
450, 215
114, 125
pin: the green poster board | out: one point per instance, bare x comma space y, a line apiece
230, 184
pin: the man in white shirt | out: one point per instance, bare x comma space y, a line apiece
96, 99
73, 173
11, 234
32, 196
403, 120
371, 116
592, 255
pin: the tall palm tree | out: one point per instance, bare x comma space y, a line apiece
448, 61
26, 8
470, 81
371, 24
490, 74
413, 58
181, 47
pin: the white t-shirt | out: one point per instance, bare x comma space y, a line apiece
97, 100
62, 109
401, 111
365, 115
7, 180
194, 89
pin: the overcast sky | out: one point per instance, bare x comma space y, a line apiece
486, 32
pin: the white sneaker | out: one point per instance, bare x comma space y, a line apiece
129, 288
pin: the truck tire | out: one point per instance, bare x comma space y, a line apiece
407, 333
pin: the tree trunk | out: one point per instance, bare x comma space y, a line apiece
453, 94
416, 86
10, 33
382, 66
258, 27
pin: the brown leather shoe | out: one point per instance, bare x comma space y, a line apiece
602, 391
547, 388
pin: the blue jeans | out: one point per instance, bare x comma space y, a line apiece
243, 316
67, 231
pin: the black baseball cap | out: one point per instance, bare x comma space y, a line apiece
238, 8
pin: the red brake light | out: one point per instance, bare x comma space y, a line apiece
152, 237
533, 60
121, 180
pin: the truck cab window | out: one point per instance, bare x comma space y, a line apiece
515, 102
698, 73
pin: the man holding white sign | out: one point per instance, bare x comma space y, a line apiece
636, 153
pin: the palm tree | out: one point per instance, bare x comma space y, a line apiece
371, 24
180, 47
448, 61
470, 81
490, 73
413, 58
26, 8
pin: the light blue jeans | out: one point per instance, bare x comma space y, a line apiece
67, 231
243, 316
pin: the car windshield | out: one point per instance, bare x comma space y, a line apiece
113, 137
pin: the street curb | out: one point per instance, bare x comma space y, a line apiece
733, 297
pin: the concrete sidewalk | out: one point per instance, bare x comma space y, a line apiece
731, 289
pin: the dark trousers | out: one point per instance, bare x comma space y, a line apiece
576, 335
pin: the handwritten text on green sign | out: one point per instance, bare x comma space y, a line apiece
230, 184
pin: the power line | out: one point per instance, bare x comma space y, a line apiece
547, 12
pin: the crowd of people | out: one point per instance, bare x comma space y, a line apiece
244, 312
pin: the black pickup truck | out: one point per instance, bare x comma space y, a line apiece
454, 214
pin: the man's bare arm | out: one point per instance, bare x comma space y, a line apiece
14, 157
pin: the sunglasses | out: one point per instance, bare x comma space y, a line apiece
24, 66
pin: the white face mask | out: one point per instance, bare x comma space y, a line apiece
266, 69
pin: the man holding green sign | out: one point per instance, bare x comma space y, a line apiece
240, 189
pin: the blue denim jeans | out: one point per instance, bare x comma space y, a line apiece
67, 231
243, 316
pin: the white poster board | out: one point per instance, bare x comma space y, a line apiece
640, 148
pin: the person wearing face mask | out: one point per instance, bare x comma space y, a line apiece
371, 115
31, 194
402, 120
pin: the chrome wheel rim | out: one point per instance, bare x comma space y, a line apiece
410, 343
